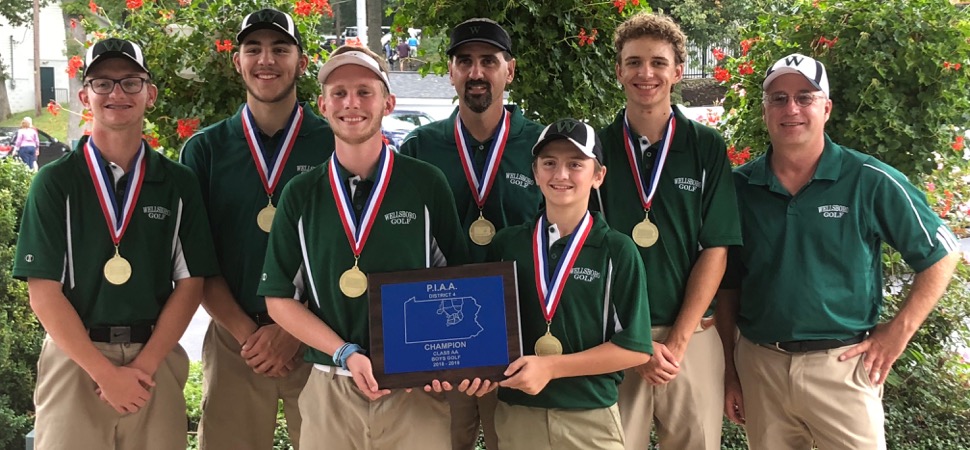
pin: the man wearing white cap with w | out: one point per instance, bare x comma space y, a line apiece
805, 291
334, 225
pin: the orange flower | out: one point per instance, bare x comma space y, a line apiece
134, 4
53, 108
745, 68
151, 139
187, 127
73, 65
958, 144
718, 54
166, 14
86, 116
223, 46
619, 5
73, 24
721, 74
93, 7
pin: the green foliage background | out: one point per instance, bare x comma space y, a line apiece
216, 90
20, 333
891, 95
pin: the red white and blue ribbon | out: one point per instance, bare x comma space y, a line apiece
270, 171
481, 183
358, 228
645, 190
549, 285
117, 212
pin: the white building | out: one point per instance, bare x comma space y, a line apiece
17, 51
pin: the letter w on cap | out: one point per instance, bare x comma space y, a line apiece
265, 16
114, 45
475, 29
565, 126
794, 59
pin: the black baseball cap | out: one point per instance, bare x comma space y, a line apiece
579, 133
114, 48
479, 30
270, 19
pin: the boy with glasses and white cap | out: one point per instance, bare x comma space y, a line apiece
337, 223
249, 363
805, 291
114, 264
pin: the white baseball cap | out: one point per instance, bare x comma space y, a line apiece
812, 70
353, 57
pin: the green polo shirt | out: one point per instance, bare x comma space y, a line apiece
811, 266
64, 237
234, 194
416, 227
514, 198
604, 300
694, 207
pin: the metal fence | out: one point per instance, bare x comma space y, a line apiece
700, 61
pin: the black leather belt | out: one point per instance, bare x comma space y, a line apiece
262, 319
813, 345
121, 335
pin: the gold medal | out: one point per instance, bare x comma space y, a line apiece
117, 270
645, 233
481, 231
353, 282
548, 345
265, 217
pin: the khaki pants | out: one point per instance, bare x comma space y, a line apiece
687, 410
792, 400
338, 416
71, 416
526, 428
238, 405
466, 411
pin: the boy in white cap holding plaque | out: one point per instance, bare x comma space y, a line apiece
337, 223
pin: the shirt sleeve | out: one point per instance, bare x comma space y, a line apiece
283, 264
42, 241
628, 296
905, 221
196, 158
446, 229
721, 224
194, 253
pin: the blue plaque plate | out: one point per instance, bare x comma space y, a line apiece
448, 324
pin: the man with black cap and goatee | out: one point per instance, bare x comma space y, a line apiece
485, 152
114, 262
249, 363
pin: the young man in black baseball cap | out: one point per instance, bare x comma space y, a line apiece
249, 362
114, 262
484, 151
582, 306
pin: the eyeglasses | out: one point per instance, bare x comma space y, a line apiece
803, 99
130, 85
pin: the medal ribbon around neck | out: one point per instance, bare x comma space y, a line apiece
481, 183
270, 176
647, 191
117, 219
357, 229
549, 286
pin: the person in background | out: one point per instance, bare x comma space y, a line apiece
27, 143
403, 52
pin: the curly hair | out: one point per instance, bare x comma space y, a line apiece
653, 26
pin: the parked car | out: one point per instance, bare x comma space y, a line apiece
396, 129
418, 118
50, 147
